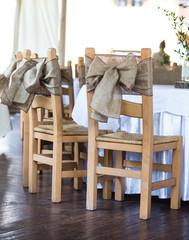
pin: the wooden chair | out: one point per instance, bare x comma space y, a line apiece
145, 143
24, 128
57, 132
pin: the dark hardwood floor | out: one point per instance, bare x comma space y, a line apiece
33, 216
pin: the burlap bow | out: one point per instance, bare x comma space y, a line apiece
30, 78
107, 82
66, 75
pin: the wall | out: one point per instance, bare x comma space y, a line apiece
103, 25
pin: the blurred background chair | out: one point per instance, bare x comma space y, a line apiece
80, 71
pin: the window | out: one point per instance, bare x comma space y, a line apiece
121, 2
134, 3
137, 3
7, 18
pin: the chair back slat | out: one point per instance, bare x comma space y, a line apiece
131, 109
111, 59
42, 102
65, 91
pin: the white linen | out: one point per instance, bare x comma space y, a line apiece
171, 117
5, 125
39, 26
167, 98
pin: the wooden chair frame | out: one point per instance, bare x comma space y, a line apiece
144, 111
36, 156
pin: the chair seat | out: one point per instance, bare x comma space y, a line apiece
65, 120
132, 138
69, 128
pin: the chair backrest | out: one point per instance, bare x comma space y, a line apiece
143, 110
52, 103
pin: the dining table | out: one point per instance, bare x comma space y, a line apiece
170, 116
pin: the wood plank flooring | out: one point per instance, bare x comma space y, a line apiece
33, 216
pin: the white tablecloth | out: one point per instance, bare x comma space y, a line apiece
5, 123
171, 117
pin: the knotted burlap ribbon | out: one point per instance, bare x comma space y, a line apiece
108, 80
66, 75
30, 78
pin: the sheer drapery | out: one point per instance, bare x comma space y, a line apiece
38, 25
7, 31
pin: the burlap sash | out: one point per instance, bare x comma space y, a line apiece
30, 78
66, 75
166, 75
107, 82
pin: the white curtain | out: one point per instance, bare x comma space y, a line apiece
7, 32
38, 25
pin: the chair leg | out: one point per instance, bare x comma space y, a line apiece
146, 184
119, 181
107, 185
78, 182
56, 171
91, 201
21, 125
25, 149
32, 165
176, 172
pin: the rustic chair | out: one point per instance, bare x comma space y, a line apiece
24, 128
58, 132
145, 143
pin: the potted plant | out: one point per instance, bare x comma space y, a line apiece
182, 39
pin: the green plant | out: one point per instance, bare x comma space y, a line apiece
182, 37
